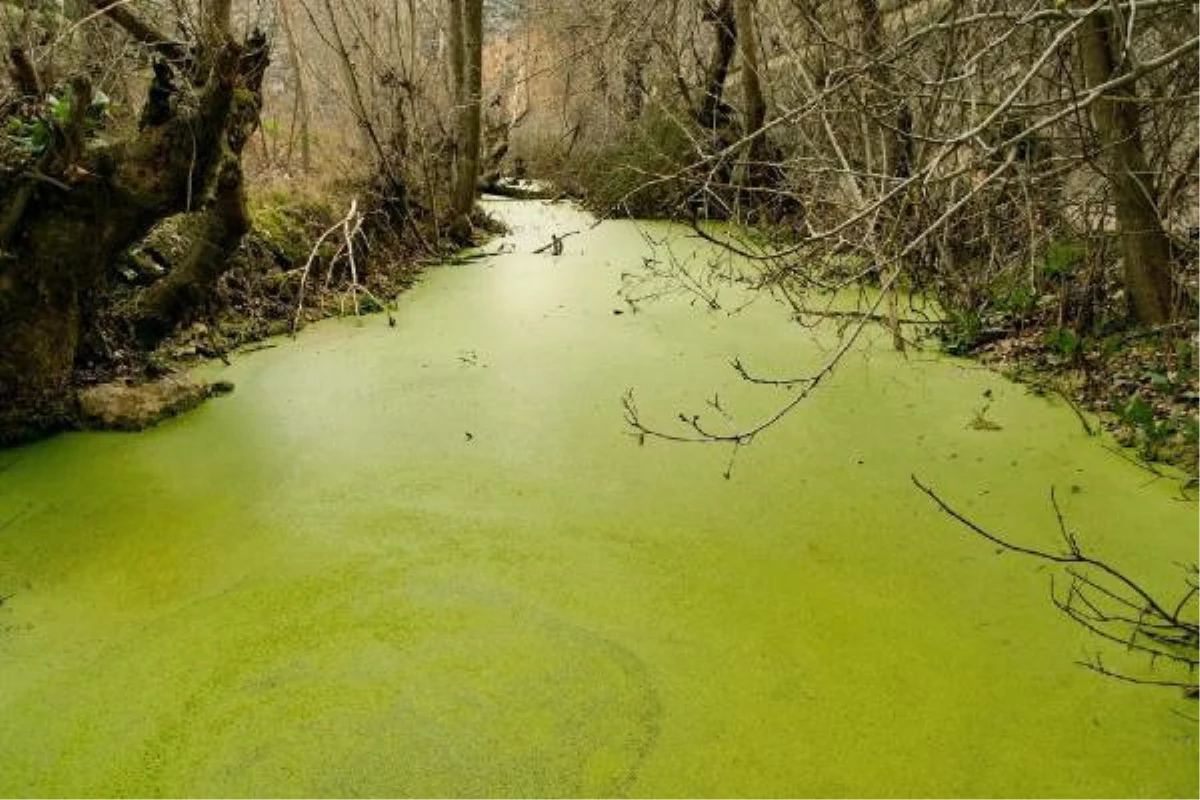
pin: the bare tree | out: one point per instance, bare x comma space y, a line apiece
951, 149
1115, 114
302, 107
467, 17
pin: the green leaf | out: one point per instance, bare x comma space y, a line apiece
39, 138
60, 109
1159, 381
1138, 412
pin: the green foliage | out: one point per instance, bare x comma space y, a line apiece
962, 331
1062, 259
1159, 381
1191, 431
1064, 342
981, 422
1137, 412
367, 304
289, 226
1016, 301
1152, 434
1111, 344
1185, 357
36, 135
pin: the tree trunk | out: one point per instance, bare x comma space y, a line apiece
636, 58
302, 111
458, 55
1145, 248
878, 95
713, 111
894, 137
226, 217
190, 283
754, 112
469, 116
63, 234
753, 171
354, 94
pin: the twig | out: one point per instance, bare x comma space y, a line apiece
1165, 634
312, 255
1075, 407
1137, 462
555, 243
348, 236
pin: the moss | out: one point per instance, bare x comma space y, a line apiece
244, 98
288, 226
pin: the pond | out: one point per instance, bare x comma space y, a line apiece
431, 560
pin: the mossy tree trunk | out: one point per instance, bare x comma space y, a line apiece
66, 222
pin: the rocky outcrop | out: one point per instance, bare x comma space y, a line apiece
134, 407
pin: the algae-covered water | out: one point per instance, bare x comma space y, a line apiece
429, 560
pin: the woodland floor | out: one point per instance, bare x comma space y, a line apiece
1141, 384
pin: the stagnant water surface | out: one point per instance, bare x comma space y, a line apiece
428, 560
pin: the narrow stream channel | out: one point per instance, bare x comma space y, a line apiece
429, 560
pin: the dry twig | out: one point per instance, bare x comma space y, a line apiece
1110, 604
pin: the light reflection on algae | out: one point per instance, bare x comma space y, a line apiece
321, 585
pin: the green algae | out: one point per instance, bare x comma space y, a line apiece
431, 561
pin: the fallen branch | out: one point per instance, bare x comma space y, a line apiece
1074, 407
1109, 603
514, 191
555, 243
348, 237
312, 255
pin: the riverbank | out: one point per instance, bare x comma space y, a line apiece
1141, 385
304, 260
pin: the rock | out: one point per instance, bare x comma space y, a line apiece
142, 268
117, 406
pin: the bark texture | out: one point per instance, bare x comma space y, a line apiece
65, 219
1145, 247
713, 112
469, 112
754, 107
